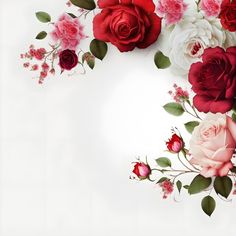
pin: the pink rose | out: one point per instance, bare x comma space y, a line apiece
211, 7
68, 31
171, 10
213, 144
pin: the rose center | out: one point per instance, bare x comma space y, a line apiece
195, 49
123, 30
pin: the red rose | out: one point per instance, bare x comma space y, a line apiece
228, 15
68, 59
175, 144
127, 23
142, 170
214, 80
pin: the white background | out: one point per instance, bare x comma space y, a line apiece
67, 146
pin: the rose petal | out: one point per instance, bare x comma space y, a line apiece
153, 33
224, 154
208, 172
225, 169
232, 127
107, 3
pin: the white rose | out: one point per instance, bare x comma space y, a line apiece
184, 43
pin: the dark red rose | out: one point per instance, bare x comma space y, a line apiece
68, 59
141, 170
228, 15
214, 80
175, 144
127, 23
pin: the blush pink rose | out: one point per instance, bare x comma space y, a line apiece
213, 144
171, 10
68, 31
211, 8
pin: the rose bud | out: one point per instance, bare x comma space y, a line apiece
68, 59
175, 144
142, 170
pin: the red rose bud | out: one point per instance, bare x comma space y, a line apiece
175, 144
68, 59
142, 170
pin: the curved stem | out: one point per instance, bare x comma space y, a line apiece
194, 110
186, 110
194, 167
183, 162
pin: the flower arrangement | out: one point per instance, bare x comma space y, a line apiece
207, 158
196, 40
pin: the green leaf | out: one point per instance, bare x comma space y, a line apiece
161, 61
190, 126
186, 186
161, 180
199, 184
89, 58
179, 185
208, 205
234, 116
163, 162
43, 16
91, 63
223, 186
98, 48
41, 35
84, 4
174, 108
72, 15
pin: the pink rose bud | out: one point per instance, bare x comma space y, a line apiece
142, 170
175, 144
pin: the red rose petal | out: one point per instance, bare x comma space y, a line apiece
107, 3
209, 52
101, 24
147, 5
153, 33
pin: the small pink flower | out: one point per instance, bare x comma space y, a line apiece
26, 65
35, 67
68, 31
39, 54
45, 66
211, 7
179, 94
32, 52
167, 188
43, 74
171, 10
